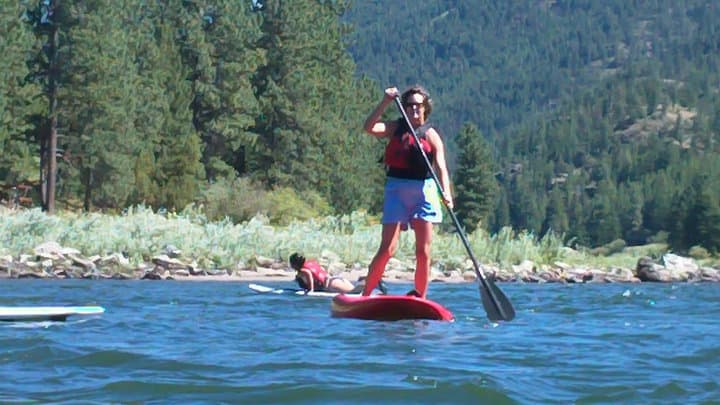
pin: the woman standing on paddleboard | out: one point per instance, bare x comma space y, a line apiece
411, 195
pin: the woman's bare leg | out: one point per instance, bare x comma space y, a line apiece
423, 238
340, 285
388, 246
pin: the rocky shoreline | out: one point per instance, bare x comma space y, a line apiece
52, 261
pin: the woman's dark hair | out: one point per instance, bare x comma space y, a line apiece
297, 261
418, 89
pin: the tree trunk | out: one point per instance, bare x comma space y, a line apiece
49, 194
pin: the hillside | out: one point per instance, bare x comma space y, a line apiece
493, 63
602, 116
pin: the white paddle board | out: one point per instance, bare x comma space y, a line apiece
294, 291
46, 313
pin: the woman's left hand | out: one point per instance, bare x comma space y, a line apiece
447, 198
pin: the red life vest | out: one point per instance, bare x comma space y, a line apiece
403, 158
319, 274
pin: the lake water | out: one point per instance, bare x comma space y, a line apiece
215, 342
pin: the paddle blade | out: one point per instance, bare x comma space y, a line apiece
496, 304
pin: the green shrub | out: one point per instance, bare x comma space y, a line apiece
141, 233
699, 253
238, 199
615, 246
600, 251
660, 237
653, 250
241, 199
609, 248
285, 205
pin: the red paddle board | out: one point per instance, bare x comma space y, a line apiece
388, 308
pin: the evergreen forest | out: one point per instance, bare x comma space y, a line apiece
597, 121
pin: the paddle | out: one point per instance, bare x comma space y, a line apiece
496, 304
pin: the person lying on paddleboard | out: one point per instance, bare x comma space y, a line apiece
311, 276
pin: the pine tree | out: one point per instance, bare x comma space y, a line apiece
556, 219
474, 180
527, 207
658, 190
706, 217
18, 99
307, 91
578, 206
603, 224
355, 177
683, 224
630, 201
701, 223
501, 214
49, 19
224, 60
96, 103
170, 68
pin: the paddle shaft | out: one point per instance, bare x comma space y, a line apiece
499, 310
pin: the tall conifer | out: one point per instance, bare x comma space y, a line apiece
308, 100
97, 103
474, 180
18, 98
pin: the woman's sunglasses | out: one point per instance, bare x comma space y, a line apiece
413, 105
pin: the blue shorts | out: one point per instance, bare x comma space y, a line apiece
407, 199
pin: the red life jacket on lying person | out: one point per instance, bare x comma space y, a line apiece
319, 275
402, 156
